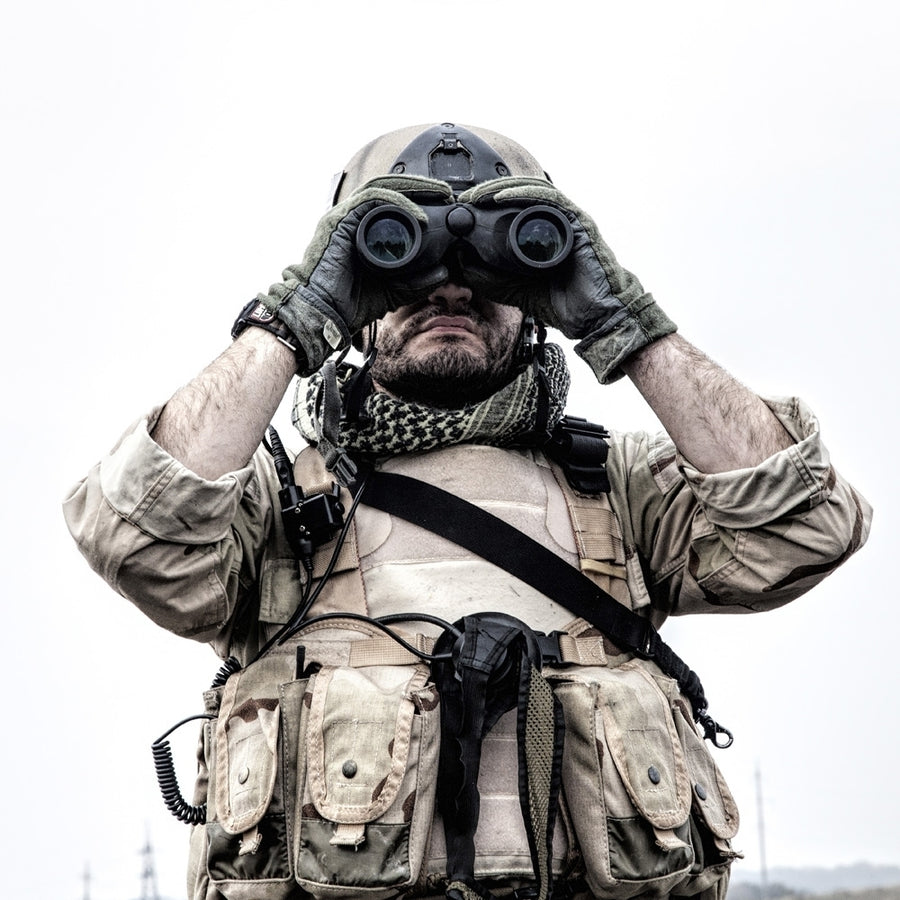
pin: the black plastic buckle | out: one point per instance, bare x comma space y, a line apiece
551, 654
649, 645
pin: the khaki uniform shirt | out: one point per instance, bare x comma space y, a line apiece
208, 559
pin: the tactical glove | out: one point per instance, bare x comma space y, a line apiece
590, 297
327, 298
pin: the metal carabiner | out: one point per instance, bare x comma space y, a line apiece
712, 729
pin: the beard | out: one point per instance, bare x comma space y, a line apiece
452, 373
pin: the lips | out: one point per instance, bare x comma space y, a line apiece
455, 323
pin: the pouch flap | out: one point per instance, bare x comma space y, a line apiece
712, 797
246, 740
360, 722
637, 720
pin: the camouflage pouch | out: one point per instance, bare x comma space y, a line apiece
650, 809
247, 855
714, 813
326, 781
365, 796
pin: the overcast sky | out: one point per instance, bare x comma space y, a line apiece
162, 162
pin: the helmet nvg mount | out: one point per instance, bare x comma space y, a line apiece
460, 155
390, 239
455, 155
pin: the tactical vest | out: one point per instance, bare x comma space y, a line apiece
319, 769
598, 543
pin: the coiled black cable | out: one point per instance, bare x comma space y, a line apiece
229, 667
165, 765
168, 782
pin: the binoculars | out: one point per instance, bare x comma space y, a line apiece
392, 241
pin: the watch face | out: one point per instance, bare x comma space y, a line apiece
257, 313
260, 314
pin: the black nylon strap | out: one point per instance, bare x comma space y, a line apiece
491, 538
489, 666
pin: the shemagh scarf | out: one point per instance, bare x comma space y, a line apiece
387, 425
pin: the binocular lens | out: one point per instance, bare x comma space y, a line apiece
540, 240
541, 237
389, 238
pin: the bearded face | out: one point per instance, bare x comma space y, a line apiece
449, 350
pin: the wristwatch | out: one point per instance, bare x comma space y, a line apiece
257, 315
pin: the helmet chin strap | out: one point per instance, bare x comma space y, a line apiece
532, 353
360, 385
531, 342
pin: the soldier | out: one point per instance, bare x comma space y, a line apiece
446, 675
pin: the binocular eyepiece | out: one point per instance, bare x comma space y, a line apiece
391, 240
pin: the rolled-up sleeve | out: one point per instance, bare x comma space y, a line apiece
741, 541
182, 548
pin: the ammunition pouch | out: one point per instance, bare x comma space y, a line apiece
325, 779
650, 809
322, 778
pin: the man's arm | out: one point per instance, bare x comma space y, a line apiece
157, 519
214, 423
714, 421
750, 513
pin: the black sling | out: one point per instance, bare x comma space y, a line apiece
503, 545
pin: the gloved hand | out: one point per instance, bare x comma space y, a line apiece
326, 299
590, 297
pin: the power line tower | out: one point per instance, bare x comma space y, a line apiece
149, 890
763, 870
86, 879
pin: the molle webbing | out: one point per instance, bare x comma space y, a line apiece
598, 538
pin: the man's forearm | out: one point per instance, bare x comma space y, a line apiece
215, 422
716, 422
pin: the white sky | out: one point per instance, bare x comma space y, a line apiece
162, 162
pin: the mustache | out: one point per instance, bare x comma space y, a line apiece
433, 310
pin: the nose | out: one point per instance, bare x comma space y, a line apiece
451, 295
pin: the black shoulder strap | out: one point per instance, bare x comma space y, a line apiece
513, 551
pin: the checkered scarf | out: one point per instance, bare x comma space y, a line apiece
388, 425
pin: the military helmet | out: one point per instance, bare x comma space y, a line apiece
461, 155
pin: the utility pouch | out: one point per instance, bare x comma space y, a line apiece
326, 781
247, 855
714, 813
650, 810
365, 793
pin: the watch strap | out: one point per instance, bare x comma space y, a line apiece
257, 315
